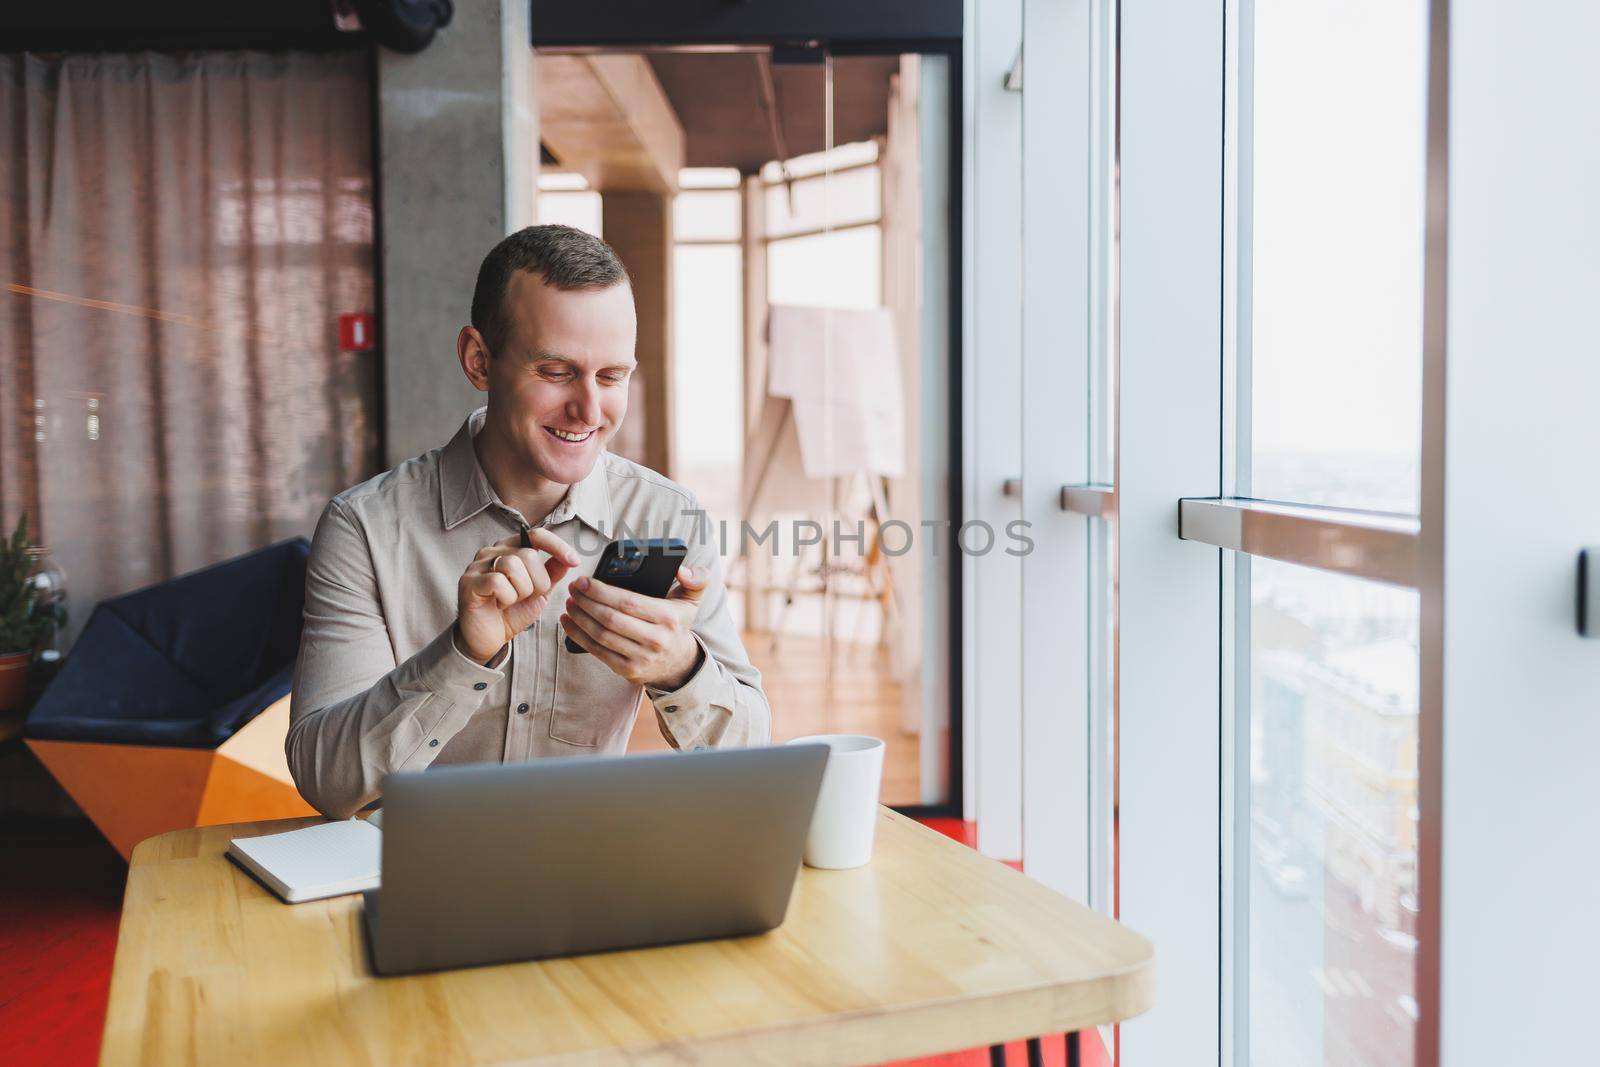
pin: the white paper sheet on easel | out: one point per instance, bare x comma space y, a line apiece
841, 371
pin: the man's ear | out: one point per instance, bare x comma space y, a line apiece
474, 357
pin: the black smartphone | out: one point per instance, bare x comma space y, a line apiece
646, 567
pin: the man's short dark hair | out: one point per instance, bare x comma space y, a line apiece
562, 256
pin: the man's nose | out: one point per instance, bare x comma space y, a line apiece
585, 403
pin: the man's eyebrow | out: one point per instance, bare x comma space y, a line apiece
547, 356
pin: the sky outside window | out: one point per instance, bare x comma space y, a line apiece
1338, 152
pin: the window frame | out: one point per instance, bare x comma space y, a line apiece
1168, 446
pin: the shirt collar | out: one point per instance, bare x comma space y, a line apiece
589, 501
464, 489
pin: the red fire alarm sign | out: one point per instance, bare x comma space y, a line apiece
355, 332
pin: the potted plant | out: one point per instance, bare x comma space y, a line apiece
27, 617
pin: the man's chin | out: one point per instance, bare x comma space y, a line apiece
568, 468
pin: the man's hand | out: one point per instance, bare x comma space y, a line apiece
505, 588
645, 639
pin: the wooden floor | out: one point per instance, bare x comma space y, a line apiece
858, 696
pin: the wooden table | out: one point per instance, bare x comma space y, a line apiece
929, 948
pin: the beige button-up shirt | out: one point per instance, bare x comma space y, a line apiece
380, 685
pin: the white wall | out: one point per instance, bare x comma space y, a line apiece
1521, 818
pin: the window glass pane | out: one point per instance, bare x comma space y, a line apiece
580, 210
840, 270
844, 155
708, 178
834, 200
562, 181
1336, 240
708, 327
706, 215
1333, 819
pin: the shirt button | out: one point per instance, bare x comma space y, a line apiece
434, 743
480, 685
522, 709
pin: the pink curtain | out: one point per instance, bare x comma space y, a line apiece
178, 237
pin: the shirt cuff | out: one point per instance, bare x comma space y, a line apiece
694, 680
684, 707
442, 668
496, 661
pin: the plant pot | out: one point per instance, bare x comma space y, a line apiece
13, 680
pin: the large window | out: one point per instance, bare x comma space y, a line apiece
1327, 196
1348, 274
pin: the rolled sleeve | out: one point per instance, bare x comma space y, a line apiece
356, 715
452, 684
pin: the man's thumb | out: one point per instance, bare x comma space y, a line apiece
691, 583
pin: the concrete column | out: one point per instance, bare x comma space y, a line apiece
638, 225
458, 164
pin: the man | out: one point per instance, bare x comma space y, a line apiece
432, 636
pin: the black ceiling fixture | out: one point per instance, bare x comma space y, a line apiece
404, 26
172, 25
840, 25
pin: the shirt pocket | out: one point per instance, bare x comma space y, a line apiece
594, 708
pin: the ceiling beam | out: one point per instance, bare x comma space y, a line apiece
606, 117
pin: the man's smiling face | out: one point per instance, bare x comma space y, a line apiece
558, 388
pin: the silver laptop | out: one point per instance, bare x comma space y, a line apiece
492, 863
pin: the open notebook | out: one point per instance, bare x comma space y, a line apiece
325, 860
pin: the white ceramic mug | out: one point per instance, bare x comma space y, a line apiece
847, 807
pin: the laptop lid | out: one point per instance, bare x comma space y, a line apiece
491, 863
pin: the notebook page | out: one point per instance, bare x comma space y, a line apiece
318, 860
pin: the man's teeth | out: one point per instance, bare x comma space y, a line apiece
566, 436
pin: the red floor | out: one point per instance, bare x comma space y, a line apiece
60, 898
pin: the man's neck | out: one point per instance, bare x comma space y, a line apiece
532, 496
